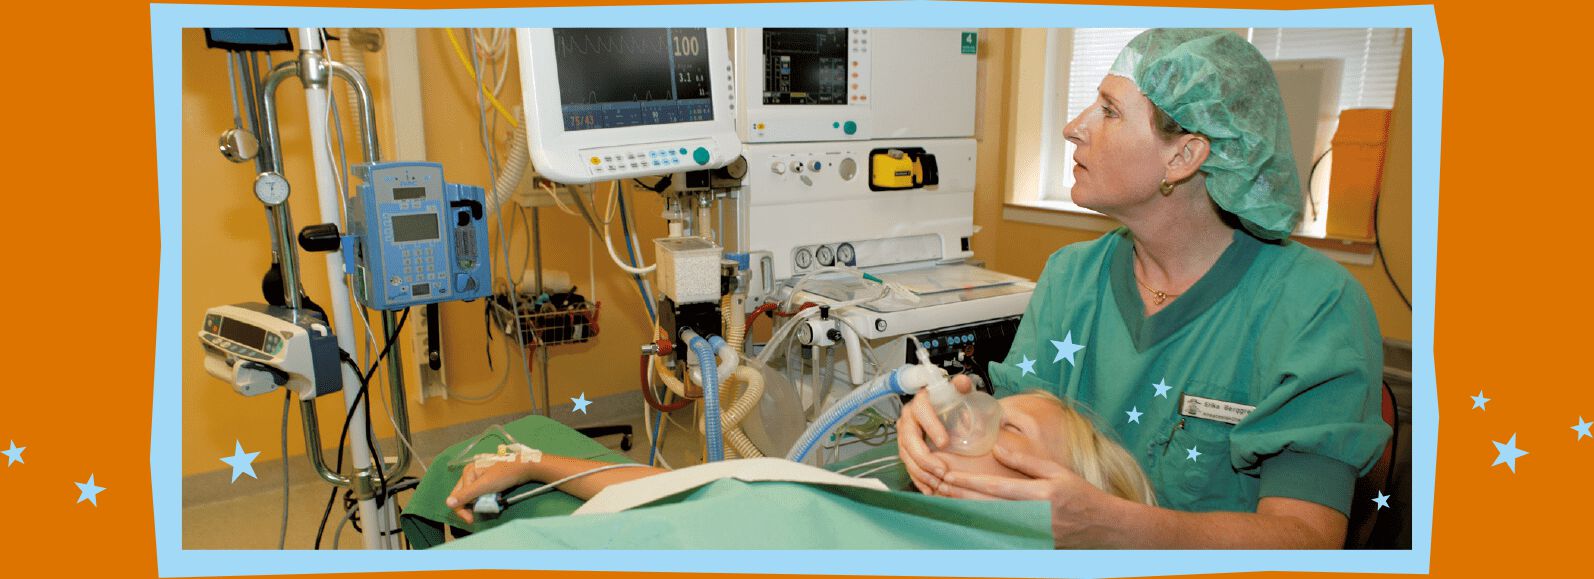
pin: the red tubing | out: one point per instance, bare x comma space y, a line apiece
647, 393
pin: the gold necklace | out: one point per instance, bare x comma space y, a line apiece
1158, 296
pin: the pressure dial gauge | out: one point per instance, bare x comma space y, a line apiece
804, 258
805, 335
825, 255
846, 254
271, 188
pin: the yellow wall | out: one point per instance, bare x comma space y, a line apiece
225, 252
1021, 248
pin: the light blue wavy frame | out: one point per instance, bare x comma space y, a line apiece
166, 22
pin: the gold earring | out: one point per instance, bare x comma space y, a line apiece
1166, 188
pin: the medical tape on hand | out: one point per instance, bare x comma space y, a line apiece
516, 453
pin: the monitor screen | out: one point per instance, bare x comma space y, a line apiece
243, 333
805, 66
626, 77
414, 227
408, 193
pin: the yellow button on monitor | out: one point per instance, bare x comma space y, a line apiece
595, 161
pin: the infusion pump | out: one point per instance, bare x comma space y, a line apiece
258, 348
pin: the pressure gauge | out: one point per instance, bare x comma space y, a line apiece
846, 255
805, 335
271, 188
804, 258
825, 255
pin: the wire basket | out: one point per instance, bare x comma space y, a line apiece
548, 324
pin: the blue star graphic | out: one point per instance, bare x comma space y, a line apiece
1382, 500
89, 491
581, 403
1193, 454
1066, 349
1582, 428
1478, 401
15, 454
1134, 414
241, 462
1028, 366
1508, 453
1162, 388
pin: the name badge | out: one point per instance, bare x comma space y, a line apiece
1213, 409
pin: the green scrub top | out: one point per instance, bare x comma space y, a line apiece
1274, 327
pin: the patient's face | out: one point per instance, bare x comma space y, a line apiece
1030, 425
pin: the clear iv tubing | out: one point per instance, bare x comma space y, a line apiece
711, 399
785, 331
846, 408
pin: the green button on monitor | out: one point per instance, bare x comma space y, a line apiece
850, 128
835, 125
700, 155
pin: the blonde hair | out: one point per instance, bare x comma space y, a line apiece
1096, 457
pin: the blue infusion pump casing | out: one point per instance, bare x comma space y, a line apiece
414, 239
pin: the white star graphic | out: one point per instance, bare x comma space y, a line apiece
1134, 414
1478, 401
1382, 500
1509, 453
89, 491
1066, 349
1162, 388
1028, 366
581, 403
1192, 453
241, 462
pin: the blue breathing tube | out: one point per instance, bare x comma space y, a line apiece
845, 409
711, 395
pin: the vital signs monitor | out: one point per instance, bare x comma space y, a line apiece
613, 103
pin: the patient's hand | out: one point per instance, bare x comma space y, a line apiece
475, 482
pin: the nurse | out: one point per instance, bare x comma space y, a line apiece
1239, 368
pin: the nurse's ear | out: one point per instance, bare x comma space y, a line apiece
1187, 152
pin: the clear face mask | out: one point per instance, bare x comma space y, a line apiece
973, 422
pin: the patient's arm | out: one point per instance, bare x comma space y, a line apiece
474, 482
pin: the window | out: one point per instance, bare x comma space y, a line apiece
1326, 71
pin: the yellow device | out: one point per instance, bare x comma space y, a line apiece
893, 170
902, 168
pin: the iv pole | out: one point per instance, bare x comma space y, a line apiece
314, 72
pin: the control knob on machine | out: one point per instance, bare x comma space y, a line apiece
778, 168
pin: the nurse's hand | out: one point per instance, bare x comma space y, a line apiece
475, 482
918, 421
1075, 502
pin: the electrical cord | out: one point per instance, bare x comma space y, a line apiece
287, 402
365, 380
1311, 178
1378, 244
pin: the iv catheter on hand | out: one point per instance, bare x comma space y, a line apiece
489, 506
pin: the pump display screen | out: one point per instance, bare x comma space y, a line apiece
626, 77
408, 193
245, 334
805, 66
414, 227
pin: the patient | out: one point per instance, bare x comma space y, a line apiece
1034, 422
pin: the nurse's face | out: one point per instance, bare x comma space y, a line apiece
1030, 425
1119, 159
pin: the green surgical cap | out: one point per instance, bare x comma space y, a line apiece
1215, 83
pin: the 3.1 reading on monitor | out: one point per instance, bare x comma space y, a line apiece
651, 76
